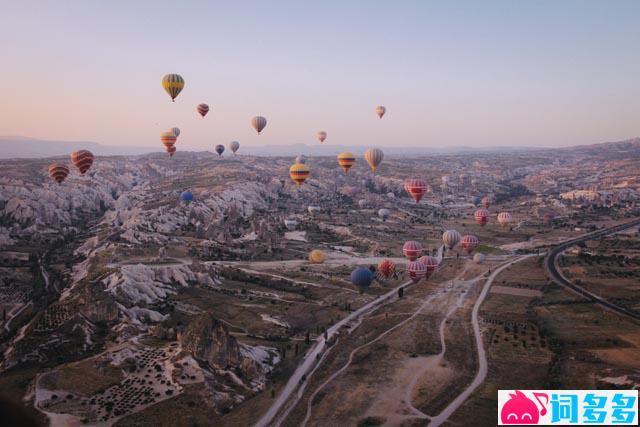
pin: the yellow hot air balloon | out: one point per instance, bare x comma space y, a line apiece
374, 157
316, 256
299, 173
346, 160
173, 84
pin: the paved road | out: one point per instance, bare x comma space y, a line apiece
551, 264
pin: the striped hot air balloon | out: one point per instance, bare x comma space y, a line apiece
469, 243
299, 173
317, 256
430, 263
416, 271
58, 172
386, 268
168, 139
481, 216
374, 157
202, 109
346, 161
451, 238
380, 110
258, 123
82, 159
412, 249
322, 135
486, 202
173, 84
504, 219
219, 149
176, 131
171, 150
416, 188
234, 146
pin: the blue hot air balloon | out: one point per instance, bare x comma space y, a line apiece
186, 197
361, 277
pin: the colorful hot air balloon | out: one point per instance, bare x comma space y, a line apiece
481, 216
58, 172
469, 243
504, 218
176, 131
384, 213
202, 109
386, 268
258, 123
430, 263
416, 271
451, 238
234, 146
316, 256
314, 209
412, 249
346, 160
186, 197
322, 135
173, 84
380, 110
290, 223
299, 173
486, 202
302, 159
361, 277
416, 188
168, 139
478, 258
219, 149
82, 159
374, 157
171, 150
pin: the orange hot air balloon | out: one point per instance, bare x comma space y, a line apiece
168, 139
316, 256
346, 161
481, 216
322, 135
258, 123
202, 109
416, 188
299, 173
469, 243
58, 172
380, 110
386, 268
82, 159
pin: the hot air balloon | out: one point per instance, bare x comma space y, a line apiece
384, 213
451, 238
258, 123
412, 249
362, 203
168, 139
346, 160
171, 150
234, 146
475, 200
314, 209
290, 223
361, 277
430, 263
380, 110
176, 131
219, 149
416, 271
82, 159
386, 268
302, 159
173, 84
58, 172
322, 135
416, 188
478, 258
202, 109
469, 243
504, 218
486, 202
374, 157
299, 173
186, 197
481, 216
316, 256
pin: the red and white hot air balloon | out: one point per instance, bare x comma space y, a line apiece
386, 268
416, 188
202, 109
481, 216
469, 243
430, 263
416, 271
380, 110
504, 218
82, 159
412, 249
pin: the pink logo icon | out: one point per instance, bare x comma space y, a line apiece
519, 409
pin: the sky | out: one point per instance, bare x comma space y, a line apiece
451, 73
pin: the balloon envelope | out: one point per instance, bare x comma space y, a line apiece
361, 277
186, 196
380, 110
322, 135
173, 84
234, 146
258, 123
202, 109
58, 172
412, 249
299, 173
176, 131
384, 213
82, 159
219, 149
317, 256
451, 238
